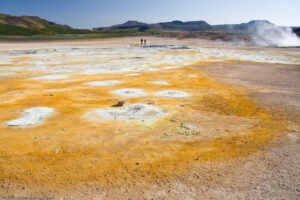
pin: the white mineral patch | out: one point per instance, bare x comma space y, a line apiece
133, 111
7, 73
191, 76
103, 83
172, 94
134, 74
51, 77
149, 69
31, 116
10, 68
106, 70
129, 92
170, 67
189, 126
160, 82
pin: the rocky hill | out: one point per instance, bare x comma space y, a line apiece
30, 25
163, 26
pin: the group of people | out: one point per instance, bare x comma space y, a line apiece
143, 41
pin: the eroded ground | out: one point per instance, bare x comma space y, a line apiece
176, 118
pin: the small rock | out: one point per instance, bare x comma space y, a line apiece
188, 129
189, 126
120, 104
173, 120
57, 150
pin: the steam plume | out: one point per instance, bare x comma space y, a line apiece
265, 33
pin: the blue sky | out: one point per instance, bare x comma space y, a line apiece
96, 13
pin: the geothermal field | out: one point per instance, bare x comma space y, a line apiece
183, 119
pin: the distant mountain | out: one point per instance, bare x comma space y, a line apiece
257, 31
129, 24
163, 26
29, 25
193, 26
184, 26
167, 26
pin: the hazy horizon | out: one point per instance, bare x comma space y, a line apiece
99, 13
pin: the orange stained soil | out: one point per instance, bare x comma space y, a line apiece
68, 149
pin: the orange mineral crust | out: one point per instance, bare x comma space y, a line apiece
74, 145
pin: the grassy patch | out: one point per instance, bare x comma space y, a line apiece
3, 16
7, 29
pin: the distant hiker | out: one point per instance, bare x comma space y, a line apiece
145, 41
142, 41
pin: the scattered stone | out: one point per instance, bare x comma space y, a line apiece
150, 102
119, 104
166, 135
185, 105
173, 120
189, 126
48, 95
188, 129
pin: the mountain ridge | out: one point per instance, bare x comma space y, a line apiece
33, 25
190, 26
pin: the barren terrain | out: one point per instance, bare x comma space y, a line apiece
200, 120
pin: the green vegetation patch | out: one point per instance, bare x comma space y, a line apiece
7, 29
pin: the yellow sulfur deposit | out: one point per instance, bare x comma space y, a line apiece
68, 148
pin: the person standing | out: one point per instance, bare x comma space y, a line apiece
145, 41
142, 41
